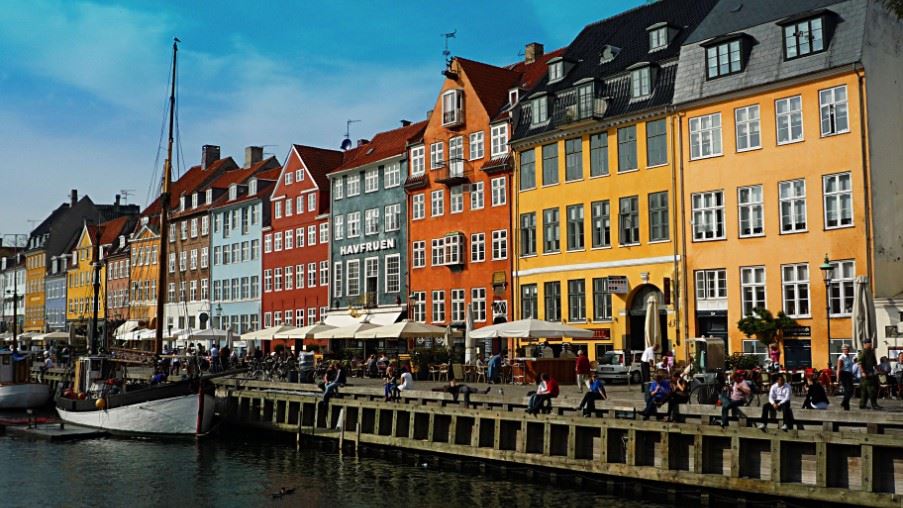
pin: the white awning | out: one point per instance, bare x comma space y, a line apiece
128, 326
266, 333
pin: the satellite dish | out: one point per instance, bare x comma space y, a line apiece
346, 144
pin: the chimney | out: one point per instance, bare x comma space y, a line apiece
209, 155
405, 123
116, 204
533, 51
73, 197
253, 155
362, 142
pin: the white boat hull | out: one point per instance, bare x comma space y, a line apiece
24, 396
170, 416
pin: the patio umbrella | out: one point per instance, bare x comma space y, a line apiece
345, 332
652, 326
468, 336
304, 332
266, 333
863, 318
530, 329
211, 334
401, 330
53, 336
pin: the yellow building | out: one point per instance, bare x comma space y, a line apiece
80, 292
145, 245
35, 271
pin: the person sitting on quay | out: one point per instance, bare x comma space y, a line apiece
816, 396
898, 375
659, 391
868, 365
456, 390
596, 392
407, 380
338, 380
582, 368
390, 384
546, 391
739, 392
778, 400
680, 394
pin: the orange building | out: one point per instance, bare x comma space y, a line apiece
459, 194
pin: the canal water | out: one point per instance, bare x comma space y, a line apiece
232, 471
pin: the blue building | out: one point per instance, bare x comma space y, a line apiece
238, 218
55, 294
368, 252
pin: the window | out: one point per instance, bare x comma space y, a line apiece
437, 252
419, 253
437, 203
658, 38
419, 306
419, 207
838, 200
598, 154
500, 244
752, 286
418, 166
255, 249
183, 261
371, 180
551, 230
452, 103
456, 199
756, 349
477, 200
573, 160
552, 298
708, 215
528, 234
601, 216
299, 175
278, 209
392, 175
627, 149
832, 106
601, 300
338, 188
711, 284
172, 262
539, 109
789, 113
841, 288
353, 184
324, 273
804, 38
457, 305
311, 202
289, 239
476, 145
556, 71
354, 277
277, 242
529, 306
640, 82
311, 235
793, 206
267, 281
724, 59
354, 224
795, 283
575, 227
393, 217
499, 192
656, 143
371, 221
478, 304
277, 279
289, 278
705, 136
477, 247
629, 221
437, 155
658, 217
835, 349
299, 276
747, 125
393, 273
752, 212
205, 225
205, 257
324, 232
288, 208
339, 228
311, 275
527, 170
550, 164
289, 177
456, 156
438, 306
499, 139
577, 300
337, 279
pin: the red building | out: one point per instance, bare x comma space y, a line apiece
296, 243
459, 194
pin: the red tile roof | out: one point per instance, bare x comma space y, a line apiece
490, 83
320, 162
192, 180
383, 145
532, 73
111, 229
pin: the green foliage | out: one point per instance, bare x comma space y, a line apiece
742, 361
764, 326
895, 6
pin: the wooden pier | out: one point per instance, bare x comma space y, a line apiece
842, 458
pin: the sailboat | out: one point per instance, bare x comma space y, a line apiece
182, 408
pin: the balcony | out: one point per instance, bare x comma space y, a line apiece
501, 164
453, 173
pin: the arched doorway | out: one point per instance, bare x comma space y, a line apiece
636, 315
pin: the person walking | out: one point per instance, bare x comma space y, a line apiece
778, 400
646, 363
868, 382
582, 368
495, 366
739, 392
596, 392
845, 375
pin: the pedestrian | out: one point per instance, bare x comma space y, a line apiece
457, 390
739, 392
778, 400
816, 397
659, 391
898, 375
845, 375
495, 366
391, 384
868, 376
774, 354
680, 394
646, 363
582, 369
596, 392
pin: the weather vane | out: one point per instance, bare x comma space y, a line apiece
446, 53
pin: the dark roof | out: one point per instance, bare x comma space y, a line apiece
226, 179
319, 163
733, 15
193, 179
385, 144
627, 32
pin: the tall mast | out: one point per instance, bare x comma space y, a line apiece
164, 207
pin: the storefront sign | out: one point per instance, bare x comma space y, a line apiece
798, 331
374, 246
617, 284
601, 333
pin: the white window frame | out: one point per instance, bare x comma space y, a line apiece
353, 224
418, 206
831, 108
707, 216
371, 180
311, 202
338, 231
356, 263
842, 277
751, 204
477, 196
750, 284
437, 203
438, 301
418, 161
477, 145
747, 124
456, 199
338, 188
788, 116
437, 155
456, 156
371, 221
477, 247
658, 39
705, 132
457, 305
337, 280
393, 217
324, 273
392, 175
791, 200
311, 235
832, 199
452, 107
498, 135
499, 191
795, 284
393, 277
353, 185
641, 83
500, 245
711, 284
418, 249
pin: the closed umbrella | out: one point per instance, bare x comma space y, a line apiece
863, 319
652, 328
468, 336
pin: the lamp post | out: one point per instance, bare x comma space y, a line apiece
826, 270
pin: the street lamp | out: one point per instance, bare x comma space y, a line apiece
826, 270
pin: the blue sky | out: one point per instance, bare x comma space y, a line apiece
83, 84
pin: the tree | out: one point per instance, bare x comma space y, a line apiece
895, 6
764, 326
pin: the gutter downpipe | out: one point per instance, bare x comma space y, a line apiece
683, 239
866, 174
676, 230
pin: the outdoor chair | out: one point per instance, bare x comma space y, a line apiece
518, 374
479, 373
883, 386
443, 372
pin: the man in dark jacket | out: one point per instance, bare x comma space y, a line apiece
867, 383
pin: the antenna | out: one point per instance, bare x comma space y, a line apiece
125, 193
268, 153
346, 143
446, 53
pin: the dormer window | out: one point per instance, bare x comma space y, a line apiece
724, 57
804, 37
452, 108
539, 108
513, 97
233, 192
658, 37
209, 196
608, 53
182, 203
556, 70
252, 186
640, 82
194, 200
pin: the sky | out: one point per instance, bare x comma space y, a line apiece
84, 85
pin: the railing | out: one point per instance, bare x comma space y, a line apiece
454, 172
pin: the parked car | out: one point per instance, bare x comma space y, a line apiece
617, 366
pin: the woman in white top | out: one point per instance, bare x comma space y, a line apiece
407, 380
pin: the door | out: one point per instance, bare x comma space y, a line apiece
797, 354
